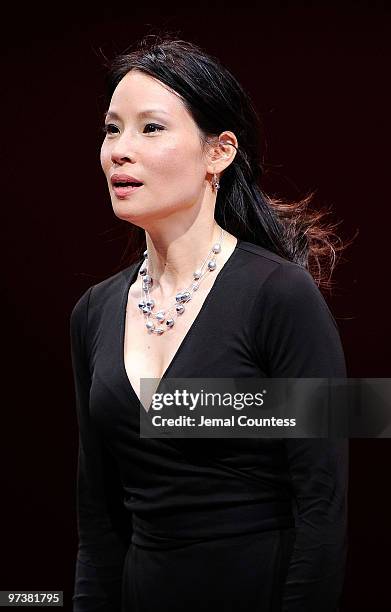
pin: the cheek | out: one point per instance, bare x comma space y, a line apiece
175, 159
105, 158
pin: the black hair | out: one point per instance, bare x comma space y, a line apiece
217, 102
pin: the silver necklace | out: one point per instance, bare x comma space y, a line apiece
155, 320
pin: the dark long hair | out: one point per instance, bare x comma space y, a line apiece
217, 102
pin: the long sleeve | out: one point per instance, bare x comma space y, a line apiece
298, 338
102, 545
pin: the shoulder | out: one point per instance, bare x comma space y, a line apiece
294, 331
283, 287
98, 294
273, 273
256, 252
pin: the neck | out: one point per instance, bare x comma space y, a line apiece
172, 263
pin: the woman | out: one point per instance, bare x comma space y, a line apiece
218, 286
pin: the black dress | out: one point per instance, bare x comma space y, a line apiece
244, 525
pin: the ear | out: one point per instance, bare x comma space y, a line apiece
221, 153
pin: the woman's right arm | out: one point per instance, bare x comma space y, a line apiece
102, 549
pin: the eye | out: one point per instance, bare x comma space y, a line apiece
109, 128
154, 125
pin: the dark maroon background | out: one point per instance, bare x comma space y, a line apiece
320, 77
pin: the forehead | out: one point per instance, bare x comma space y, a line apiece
138, 91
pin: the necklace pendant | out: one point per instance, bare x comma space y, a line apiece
184, 296
146, 304
160, 316
147, 282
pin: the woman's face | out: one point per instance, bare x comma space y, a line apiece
151, 137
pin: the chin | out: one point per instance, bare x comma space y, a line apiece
125, 213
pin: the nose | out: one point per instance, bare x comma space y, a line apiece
121, 152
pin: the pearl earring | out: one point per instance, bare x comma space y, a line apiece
215, 183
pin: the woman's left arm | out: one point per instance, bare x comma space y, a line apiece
298, 338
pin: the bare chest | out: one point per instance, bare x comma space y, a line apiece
148, 355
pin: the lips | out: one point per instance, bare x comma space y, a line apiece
124, 184
125, 180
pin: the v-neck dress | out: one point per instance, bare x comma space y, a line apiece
240, 524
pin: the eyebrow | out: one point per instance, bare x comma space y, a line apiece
149, 111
